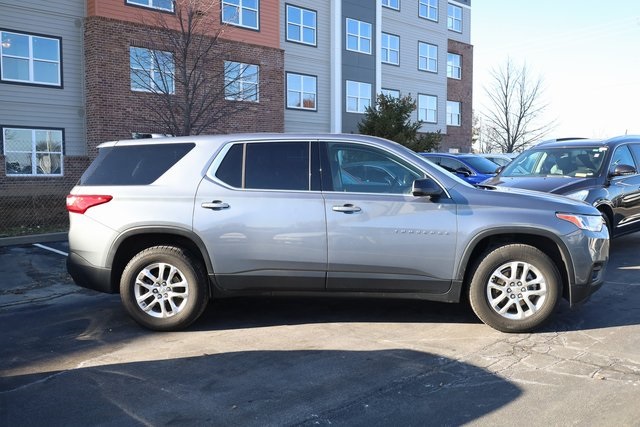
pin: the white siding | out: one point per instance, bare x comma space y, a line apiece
304, 59
41, 106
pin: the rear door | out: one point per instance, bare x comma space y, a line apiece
380, 237
261, 215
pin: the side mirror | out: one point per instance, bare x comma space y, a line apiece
499, 169
622, 170
463, 171
426, 187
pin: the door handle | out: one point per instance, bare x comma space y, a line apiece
216, 205
348, 208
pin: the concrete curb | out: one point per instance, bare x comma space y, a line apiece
33, 238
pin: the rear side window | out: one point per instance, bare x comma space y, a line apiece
134, 164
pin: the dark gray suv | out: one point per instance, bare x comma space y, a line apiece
171, 223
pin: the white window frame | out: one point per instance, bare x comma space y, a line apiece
358, 36
301, 93
387, 50
454, 66
362, 102
301, 26
155, 74
424, 110
390, 4
245, 80
5, 37
431, 61
390, 93
454, 18
453, 113
34, 151
430, 7
241, 9
150, 4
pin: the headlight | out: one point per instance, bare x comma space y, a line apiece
583, 222
578, 195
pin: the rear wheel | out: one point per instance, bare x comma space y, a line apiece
163, 288
515, 288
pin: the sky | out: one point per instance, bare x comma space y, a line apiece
587, 54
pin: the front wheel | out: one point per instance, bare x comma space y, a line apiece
163, 288
515, 288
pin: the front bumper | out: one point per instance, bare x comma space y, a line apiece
589, 252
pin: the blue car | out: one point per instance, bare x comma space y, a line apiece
472, 168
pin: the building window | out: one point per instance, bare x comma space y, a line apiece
301, 25
427, 108
428, 9
454, 18
454, 69
391, 4
390, 93
453, 113
241, 81
243, 13
154, 4
427, 57
301, 91
31, 59
151, 70
358, 36
32, 151
358, 97
390, 49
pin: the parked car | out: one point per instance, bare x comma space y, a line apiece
171, 223
470, 167
499, 158
603, 173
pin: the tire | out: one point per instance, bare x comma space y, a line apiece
163, 288
513, 305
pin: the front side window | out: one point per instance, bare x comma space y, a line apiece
301, 91
358, 97
267, 166
428, 9
301, 25
154, 4
358, 36
390, 49
243, 13
151, 70
356, 168
32, 151
427, 57
427, 108
454, 69
622, 156
453, 113
31, 59
241, 81
454, 18
391, 4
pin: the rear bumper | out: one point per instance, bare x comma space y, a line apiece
89, 276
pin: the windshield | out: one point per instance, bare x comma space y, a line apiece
481, 164
569, 162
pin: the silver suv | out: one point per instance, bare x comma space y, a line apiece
171, 223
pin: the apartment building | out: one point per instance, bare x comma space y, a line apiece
339, 54
68, 80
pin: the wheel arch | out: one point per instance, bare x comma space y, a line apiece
135, 240
546, 242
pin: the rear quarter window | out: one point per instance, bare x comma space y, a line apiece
133, 164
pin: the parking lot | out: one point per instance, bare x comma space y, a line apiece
73, 357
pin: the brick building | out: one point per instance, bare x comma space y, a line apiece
69, 81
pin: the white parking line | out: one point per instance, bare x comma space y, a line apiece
50, 249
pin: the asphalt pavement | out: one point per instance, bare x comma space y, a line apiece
73, 357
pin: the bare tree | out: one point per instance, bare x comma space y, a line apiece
512, 122
191, 86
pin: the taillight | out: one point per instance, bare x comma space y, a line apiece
80, 204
